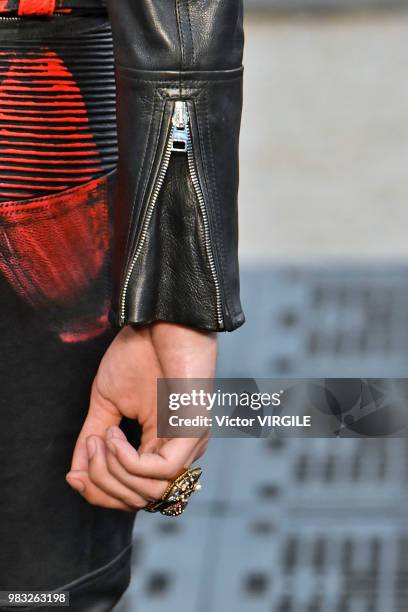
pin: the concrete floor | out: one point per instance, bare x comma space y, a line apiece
325, 137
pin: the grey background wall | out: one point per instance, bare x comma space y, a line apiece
326, 4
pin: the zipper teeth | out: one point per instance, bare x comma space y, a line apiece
149, 213
207, 240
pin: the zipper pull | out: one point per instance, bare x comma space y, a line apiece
180, 130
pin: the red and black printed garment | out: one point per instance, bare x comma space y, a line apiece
58, 155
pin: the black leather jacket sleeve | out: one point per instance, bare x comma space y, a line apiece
179, 94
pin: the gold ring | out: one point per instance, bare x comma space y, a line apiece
176, 497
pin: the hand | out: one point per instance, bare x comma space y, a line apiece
106, 469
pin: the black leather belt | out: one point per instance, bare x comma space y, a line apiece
48, 7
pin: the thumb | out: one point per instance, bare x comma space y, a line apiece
102, 414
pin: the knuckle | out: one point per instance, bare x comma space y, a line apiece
159, 491
95, 477
152, 497
169, 471
124, 461
111, 465
131, 468
128, 501
133, 502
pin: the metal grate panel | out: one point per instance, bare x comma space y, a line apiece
312, 525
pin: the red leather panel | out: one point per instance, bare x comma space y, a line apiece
36, 7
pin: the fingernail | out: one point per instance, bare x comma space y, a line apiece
112, 447
91, 447
76, 484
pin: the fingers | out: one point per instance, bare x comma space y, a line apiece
148, 488
102, 414
100, 487
163, 465
101, 477
106, 483
117, 476
79, 481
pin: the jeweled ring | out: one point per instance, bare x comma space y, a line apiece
176, 497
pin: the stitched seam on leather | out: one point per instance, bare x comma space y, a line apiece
206, 179
180, 33
133, 75
204, 156
191, 33
211, 180
220, 243
196, 82
232, 72
185, 26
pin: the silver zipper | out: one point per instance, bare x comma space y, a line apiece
179, 140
